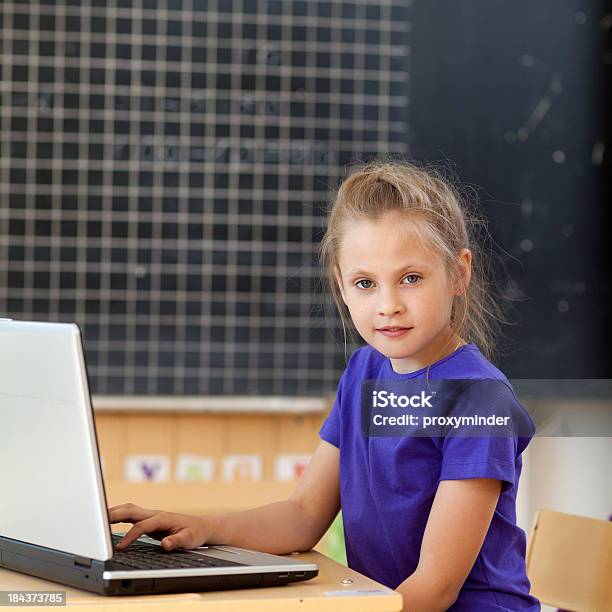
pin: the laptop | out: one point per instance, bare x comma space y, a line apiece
53, 511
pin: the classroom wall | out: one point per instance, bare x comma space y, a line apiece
568, 475
201, 463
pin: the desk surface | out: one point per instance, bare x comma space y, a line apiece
323, 593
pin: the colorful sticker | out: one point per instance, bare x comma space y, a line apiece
147, 468
194, 467
290, 467
242, 467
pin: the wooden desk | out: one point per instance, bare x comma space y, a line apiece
324, 593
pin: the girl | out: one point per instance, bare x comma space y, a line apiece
433, 518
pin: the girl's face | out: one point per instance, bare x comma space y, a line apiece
389, 278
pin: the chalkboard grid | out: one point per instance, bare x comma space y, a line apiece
162, 173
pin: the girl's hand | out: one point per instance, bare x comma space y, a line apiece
174, 530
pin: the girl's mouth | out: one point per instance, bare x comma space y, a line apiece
393, 332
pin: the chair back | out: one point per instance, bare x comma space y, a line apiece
569, 561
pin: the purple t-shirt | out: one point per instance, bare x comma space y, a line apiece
387, 485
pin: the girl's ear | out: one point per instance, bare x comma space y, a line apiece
465, 266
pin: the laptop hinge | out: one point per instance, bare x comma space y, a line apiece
82, 561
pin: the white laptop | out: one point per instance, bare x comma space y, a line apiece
53, 511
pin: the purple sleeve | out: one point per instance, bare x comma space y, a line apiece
330, 430
486, 456
493, 457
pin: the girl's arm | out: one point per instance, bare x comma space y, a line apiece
456, 528
296, 524
278, 528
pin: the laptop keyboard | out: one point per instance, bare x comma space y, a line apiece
144, 556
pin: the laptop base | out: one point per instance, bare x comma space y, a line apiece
86, 574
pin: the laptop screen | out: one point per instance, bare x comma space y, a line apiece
50, 477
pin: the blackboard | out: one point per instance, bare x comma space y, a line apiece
517, 96
164, 168
163, 172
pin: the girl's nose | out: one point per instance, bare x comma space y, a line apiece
390, 305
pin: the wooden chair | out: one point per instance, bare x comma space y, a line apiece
569, 561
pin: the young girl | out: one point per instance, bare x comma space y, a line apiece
432, 517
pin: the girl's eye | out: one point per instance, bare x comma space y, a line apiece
412, 279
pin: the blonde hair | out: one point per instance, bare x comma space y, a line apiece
450, 225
